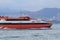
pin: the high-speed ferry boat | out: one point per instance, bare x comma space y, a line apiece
23, 22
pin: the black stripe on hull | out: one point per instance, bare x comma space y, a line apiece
20, 23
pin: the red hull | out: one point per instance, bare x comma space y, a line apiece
26, 25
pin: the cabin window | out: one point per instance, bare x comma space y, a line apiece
17, 20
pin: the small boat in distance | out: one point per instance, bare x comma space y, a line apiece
23, 22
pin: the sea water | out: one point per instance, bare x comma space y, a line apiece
28, 34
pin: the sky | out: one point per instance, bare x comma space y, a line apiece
30, 5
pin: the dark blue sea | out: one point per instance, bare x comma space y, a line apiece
29, 34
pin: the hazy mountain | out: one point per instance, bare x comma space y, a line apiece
45, 13
49, 12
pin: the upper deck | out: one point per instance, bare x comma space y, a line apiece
21, 19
